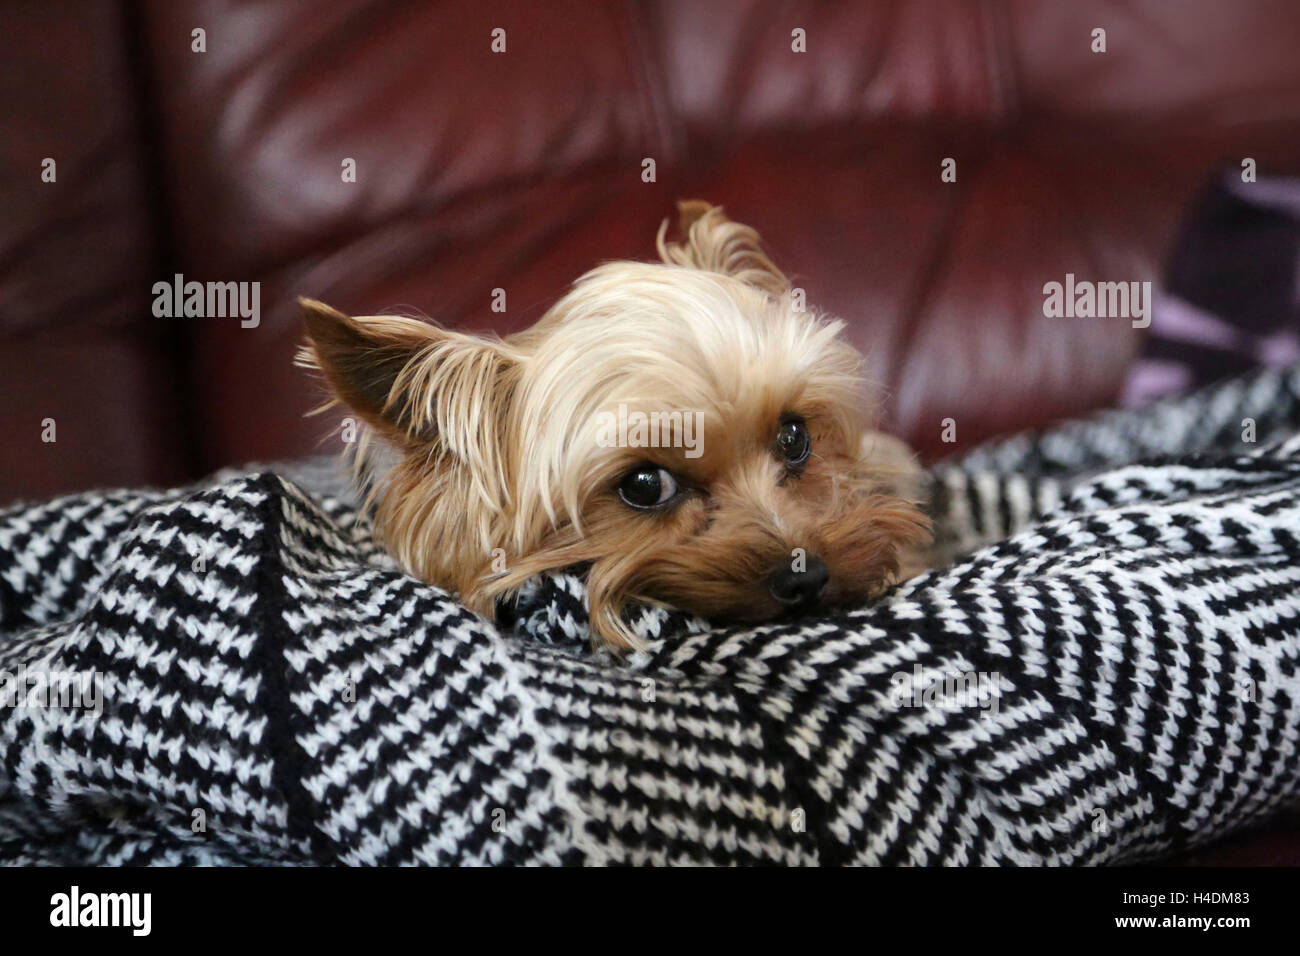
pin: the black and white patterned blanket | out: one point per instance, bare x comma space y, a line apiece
1113, 678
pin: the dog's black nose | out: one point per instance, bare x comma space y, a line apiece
796, 588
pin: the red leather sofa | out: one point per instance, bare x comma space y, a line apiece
478, 170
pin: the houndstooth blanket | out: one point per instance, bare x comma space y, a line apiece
1112, 678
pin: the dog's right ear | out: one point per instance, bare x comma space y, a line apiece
413, 382
714, 243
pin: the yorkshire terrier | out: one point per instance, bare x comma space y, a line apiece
683, 429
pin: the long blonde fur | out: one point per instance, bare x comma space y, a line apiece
498, 459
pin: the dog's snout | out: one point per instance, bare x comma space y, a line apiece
796, 588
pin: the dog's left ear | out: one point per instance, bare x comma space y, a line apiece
416, 383
714, 243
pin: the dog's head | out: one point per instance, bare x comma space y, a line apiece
685, 429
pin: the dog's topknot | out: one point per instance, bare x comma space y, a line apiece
714, 243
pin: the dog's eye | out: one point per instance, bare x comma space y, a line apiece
647, 487
793, 443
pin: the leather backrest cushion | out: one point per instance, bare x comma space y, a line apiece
77, 256
520, 170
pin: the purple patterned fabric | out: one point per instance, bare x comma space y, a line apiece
1231, 296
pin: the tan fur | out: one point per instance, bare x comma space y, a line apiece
497, 438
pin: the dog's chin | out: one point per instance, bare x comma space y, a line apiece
759, 607
724, 578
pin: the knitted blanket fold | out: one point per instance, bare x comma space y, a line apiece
233, 673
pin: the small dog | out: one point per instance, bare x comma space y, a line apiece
683, 429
